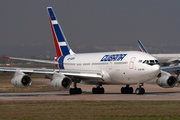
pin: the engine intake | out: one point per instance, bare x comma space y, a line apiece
21, 80
166, 80
61, 82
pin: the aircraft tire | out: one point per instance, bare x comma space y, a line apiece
72, 91
98, 90
139, 91
101, 91
126, 90
75, 91
123, 90
94, 90
130, 90
79, 91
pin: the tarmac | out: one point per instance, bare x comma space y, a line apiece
153, 92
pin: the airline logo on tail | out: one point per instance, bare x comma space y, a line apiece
61, 45
141, 47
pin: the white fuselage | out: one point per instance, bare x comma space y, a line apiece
167, 58
117, 67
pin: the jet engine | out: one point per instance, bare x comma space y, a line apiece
166, 80
21, 80
178, 78
61, 82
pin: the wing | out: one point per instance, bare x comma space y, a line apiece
173, 60
32, 60
171, 68
80, 74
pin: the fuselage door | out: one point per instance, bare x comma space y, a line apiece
110, 65
131, 63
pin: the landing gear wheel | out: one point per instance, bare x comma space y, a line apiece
139, 91
130, 90
75, 91
98, 90
127, 90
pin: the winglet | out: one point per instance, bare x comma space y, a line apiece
61, 44
141, 47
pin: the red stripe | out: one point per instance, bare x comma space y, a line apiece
5, 57
140, 49
58, 51
57, 66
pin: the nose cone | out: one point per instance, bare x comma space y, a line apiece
155, 70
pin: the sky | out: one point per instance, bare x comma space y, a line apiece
89, 26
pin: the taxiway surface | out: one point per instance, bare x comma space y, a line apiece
112, 93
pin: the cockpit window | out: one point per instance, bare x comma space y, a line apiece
144, 61
156, 61
151, 62
147, 62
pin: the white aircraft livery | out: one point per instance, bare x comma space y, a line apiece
112, 68
162, 58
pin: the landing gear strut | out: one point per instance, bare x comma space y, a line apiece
75, 90
98, 90
140, 90
127, 90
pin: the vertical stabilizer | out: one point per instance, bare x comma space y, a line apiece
141, 47
61, 44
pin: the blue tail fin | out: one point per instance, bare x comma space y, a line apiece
141, 47
61, 44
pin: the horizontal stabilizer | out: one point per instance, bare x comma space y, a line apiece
32, 60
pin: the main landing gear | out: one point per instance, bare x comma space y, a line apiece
127, 90
98, 90
140, 90
75, 90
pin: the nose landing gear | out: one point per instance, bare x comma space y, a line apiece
140, 90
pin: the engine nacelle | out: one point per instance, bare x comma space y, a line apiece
21, 80
61, 82
178, 78
166, 80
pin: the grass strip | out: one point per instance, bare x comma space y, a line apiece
101, 110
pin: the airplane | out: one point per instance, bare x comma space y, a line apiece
172, 59
102, 68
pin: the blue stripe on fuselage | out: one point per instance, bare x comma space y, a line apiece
61, 62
